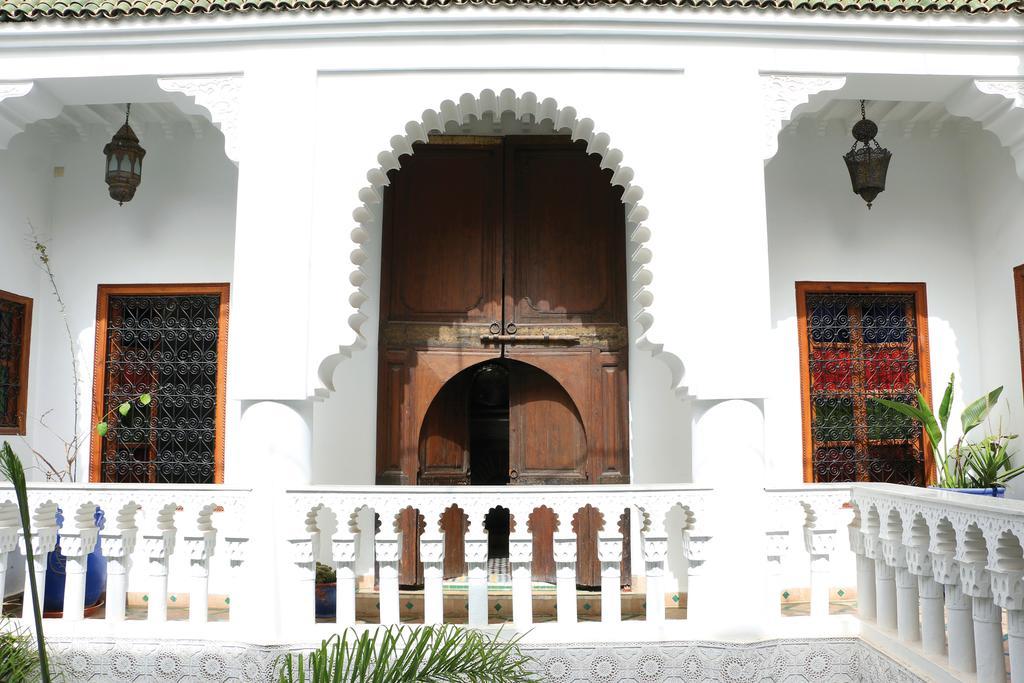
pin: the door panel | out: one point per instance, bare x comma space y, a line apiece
565, 223
442, 225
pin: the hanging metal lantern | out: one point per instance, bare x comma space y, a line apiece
124, 162
867, 164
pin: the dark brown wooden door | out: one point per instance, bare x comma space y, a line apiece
504, 248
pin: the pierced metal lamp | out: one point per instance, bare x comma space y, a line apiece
124, 162
867, 161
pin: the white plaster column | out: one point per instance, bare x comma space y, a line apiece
931, 596
700, 604
1008, 593
885, 582
946, 571
300, 606
565, 576
777, 545
239, 612
476, 566
908, 609
44, 539
520, 550
200, 550
609, 552
388, 551
865, 575
343, 552
820, 544
432, 555
273, 452
159, 548
988, 620
655, 551
76, 547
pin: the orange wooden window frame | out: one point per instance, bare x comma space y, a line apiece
1018, 288
918, 290
104, 293
26, 339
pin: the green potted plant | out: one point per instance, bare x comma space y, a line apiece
326, 591
982, 467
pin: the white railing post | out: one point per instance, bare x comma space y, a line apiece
865, 574
988, 618
8, 543
159, 548
885, 583
1008, 593
565, 577
777, 545
946, 571
76, 547
820, 545
200, 550
388, 551
239, 602
300, 607
343, 552
695, 549
930, 594
908, 609
609, 553
520, 551
655, 552
476, 567
44, 540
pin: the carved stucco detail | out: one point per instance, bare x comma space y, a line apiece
220, 97
14, 89
782, 94
998, 105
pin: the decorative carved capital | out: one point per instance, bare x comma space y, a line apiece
609, 548
159, 546
919, 560
777, 544
928, 588
520, 551
820, 541
883, 571
80, 543
695, 549
1008, 588
388, 549
894, 553
655, 549
476, 551
856, 539
872, 546
300, 550
201, 548
219, 95
975, 580
781, 94
343, 549
565, 549
43, 541
945, 569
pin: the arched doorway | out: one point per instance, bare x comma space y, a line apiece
505, 251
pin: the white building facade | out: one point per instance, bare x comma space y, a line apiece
272, 138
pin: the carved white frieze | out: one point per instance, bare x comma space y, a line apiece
220, 96
781, 94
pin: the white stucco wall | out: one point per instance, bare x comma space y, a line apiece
946, 219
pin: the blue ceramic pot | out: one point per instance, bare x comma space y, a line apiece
56, 576
994, 491
326, 600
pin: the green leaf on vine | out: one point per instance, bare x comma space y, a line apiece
145, 399
102, 428
124, 408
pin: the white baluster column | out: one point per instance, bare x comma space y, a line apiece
946, 571
159, 549
865, 575
931, 596
565, 577
76, 547
388, 549
885, 583
820, 544
8, 543
908, 609
655, 552
238, 552
44, 540
343, 552
476, 567
299, 607
609, 553
777, 545
520, 550
1008, 593
988, 621
699, 605
200, 550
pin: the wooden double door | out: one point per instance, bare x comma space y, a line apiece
503, 341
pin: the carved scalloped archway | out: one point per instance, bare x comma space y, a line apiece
527, 108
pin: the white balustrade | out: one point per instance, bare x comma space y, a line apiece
149, 522
946, 552
652, 504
